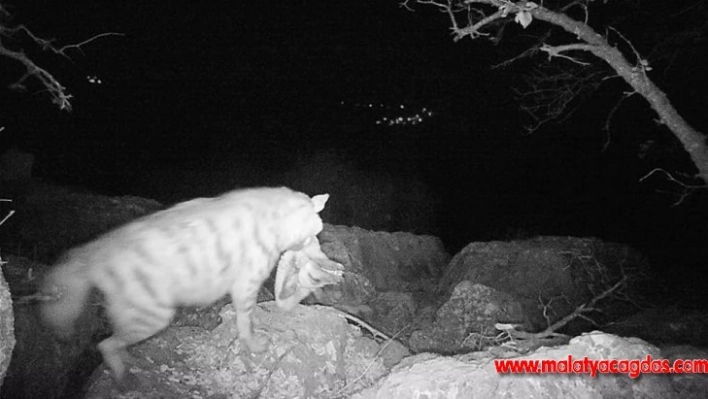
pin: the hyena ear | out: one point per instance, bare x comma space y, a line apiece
319, 201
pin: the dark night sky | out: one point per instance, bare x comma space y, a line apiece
222, 84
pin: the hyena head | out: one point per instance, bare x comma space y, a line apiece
300, 221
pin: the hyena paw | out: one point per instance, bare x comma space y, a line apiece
256, 343
130, 382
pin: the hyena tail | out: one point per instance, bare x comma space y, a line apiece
67, 287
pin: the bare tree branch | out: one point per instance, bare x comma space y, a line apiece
610, 115
555, 51
56, 90
554, 89
687, 189
490, 13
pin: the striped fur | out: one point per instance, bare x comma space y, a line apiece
190, 254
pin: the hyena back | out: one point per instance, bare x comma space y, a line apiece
190, 254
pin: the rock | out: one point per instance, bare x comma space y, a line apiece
475, 375
391, 261
550, 276
313, 353
466, 321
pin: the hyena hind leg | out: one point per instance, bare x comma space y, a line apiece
114, 356
130, 328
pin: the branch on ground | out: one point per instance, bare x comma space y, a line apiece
523, 342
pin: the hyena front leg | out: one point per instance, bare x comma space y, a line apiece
244, 303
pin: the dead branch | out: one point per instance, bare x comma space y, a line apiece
362, 324
11, 212
525, 341
56, 90
9, 215
553, 89
473, 30
687, 189
610, 115
371, 363
583, 309
555, 51
483, 14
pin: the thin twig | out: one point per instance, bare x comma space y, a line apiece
12, 212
